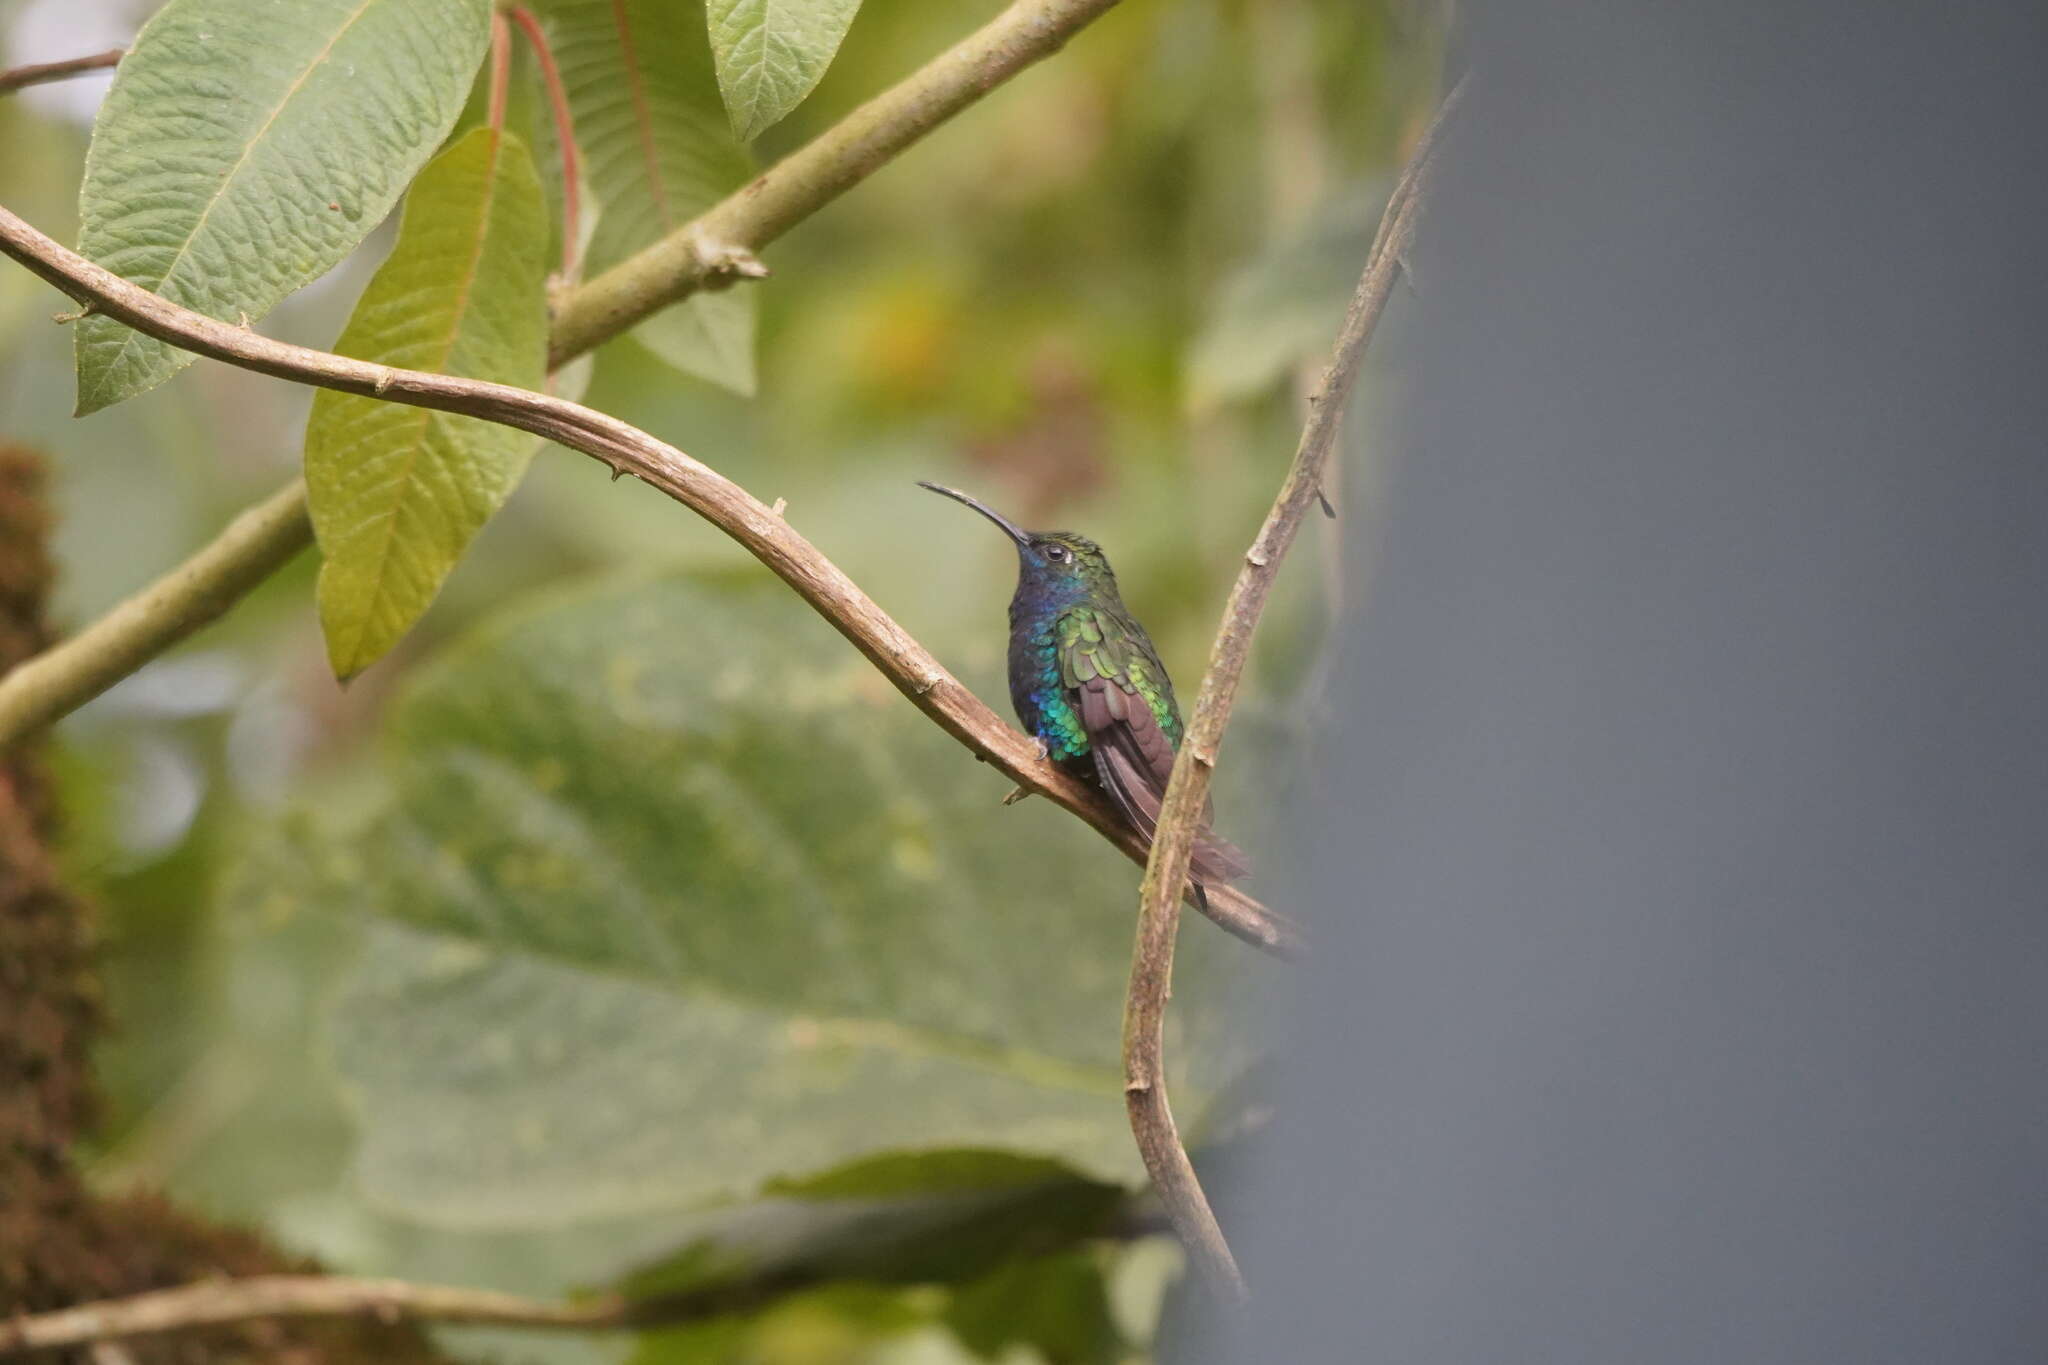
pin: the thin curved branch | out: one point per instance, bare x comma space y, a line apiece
1180, 817
710, 251
882, 1247
39, 73
218, 1303
627, 450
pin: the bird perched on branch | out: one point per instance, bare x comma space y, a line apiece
1088, 684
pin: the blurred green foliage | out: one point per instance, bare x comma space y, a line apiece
621, 838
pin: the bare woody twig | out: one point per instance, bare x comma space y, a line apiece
219, 1302
883, 1248
21, 77
710, 250
1180, 817
626, 449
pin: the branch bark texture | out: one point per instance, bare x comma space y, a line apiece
713, 250
1180, 817
626, 449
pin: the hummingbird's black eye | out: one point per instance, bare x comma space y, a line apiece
1056, 551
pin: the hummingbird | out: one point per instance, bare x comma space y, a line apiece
1088, 685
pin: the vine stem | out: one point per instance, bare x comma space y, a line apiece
625, 449
1180, 817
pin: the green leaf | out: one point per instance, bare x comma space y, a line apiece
675, 896
248, 145
397, 492
1059, 1304
1284, 307
839, 1324
708, 335
895, 1174
915, 1232
772, 53
657, 151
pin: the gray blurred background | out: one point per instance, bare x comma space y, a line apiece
1683, 885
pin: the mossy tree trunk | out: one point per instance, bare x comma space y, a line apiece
60, 1244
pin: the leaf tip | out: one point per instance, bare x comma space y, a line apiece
92, 397
345, 660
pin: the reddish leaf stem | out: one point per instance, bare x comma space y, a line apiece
501, 68
565, 136
643, 118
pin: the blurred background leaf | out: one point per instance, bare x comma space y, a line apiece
676, 897
1279, 310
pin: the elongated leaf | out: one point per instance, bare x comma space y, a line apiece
675, 897
772, 53
658, 151
397, 492
248, 145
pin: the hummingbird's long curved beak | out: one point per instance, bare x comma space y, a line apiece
1010, 528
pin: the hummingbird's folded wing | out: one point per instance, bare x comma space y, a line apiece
1134, 759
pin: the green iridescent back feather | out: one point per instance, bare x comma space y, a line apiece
1096, 642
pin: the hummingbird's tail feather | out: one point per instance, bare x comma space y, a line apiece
1218, 860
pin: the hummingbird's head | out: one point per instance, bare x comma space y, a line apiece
1052, 566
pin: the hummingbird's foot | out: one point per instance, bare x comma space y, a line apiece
1038, 747
1016, 794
